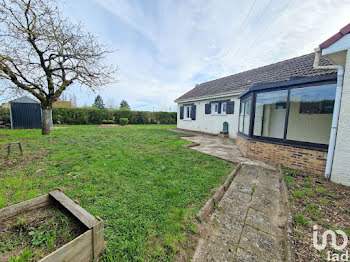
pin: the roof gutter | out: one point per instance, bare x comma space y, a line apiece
206, 97
336, 111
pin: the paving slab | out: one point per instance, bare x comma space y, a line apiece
261, 244
263, 222
246, 225
224, 148
245, 256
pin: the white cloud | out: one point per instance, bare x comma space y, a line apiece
185, 42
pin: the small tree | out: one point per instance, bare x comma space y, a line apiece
124, 105
99, 102
43, 53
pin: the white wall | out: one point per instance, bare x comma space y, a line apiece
210, 123
341, 163
304, 127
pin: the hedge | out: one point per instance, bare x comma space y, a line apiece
80, 116
94, 116
4, 113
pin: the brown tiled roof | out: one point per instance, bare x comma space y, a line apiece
344, 31
296, 67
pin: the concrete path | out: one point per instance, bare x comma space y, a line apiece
224, 148
249, 223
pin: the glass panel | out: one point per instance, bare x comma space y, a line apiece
310, 113
270, 114
187, 112
246, 122
223, 108
214, 108
241, 117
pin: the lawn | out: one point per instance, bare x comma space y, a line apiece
316, 201
141, 180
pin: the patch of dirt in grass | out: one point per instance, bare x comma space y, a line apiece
111, 125
59, 127
16, 159
33, 235
316, 201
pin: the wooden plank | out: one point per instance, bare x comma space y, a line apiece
27, 205
98, 240
85, 217
77, 250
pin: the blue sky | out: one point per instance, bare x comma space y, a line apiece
165, 47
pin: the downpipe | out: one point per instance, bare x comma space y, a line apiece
336, 110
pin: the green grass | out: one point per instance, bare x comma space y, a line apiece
301, 220
289, 180
140, 180
320, 190
298, 193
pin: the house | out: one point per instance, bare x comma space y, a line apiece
337, 50
283, 112
62, 103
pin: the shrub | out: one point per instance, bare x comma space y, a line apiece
122, 113
105, 121
4, 113
123, 121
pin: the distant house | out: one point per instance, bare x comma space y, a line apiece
282, 112
62, 103
5, 105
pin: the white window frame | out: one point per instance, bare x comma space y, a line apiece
189, 112
223, 106
213, 106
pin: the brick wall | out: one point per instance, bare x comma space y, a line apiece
289, 156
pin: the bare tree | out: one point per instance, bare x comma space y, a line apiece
43, 53
73, 99
110, 103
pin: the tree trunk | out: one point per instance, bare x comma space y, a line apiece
46, 121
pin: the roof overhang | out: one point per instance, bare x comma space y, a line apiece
335, 48
335, 38
206, 97
291, 82
336, 52
340, 45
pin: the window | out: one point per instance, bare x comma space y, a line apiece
311, 113
223, 108
187, 112
215, 108
270, 114
295, 115
244, 116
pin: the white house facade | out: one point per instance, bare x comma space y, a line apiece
294, 112
209, 115
337, 50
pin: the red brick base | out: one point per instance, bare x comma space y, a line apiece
289, 156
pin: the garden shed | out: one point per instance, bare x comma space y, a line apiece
25, 113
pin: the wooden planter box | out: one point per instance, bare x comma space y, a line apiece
86, 247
